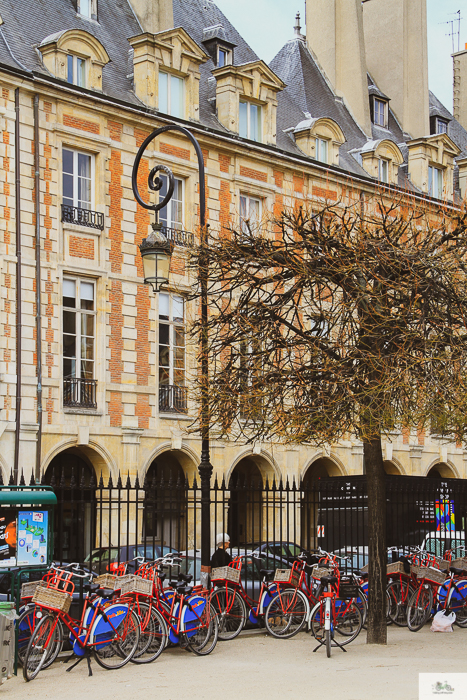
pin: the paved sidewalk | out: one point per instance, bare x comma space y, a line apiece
260, 667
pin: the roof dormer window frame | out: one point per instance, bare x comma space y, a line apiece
441, 126
224, 56
87, 9
380, 112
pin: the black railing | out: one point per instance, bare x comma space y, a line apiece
79, 392
173, 399
82, 217
181, 238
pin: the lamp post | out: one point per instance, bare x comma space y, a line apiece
156, 251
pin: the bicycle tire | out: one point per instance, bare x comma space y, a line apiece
38, 650
231, 612
286, 613
119, 652
362, 603
327, 634
153, 632
348, 621
458, 604
419, 608
397, 611
204, 640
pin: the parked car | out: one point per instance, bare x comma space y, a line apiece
439, 542
358, 557
107, 559
287, 551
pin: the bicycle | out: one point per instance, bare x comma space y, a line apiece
110, 630
433, 585
335, 612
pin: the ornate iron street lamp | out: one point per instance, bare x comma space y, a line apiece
156, 251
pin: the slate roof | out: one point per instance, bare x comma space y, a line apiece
307, 94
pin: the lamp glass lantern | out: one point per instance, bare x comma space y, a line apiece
156, 252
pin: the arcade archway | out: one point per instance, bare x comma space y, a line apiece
165, 503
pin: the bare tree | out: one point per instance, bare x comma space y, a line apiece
343, 322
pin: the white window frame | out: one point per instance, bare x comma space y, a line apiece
248, 199
75, 152
75, 58
435, 189
441, 123
228, 56
78, 311
383, 170
178, 225
320, 143
91, 6
172, 325
169, 94
249, 129
376, 102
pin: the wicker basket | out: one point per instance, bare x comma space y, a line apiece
442, 564
28, 589
348, 590
136, 585
288, 576
51, 598
106, 581
397, 567
429, 574
122, 580
460, 563
318, 572
225, 573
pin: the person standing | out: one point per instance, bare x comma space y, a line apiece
221, 557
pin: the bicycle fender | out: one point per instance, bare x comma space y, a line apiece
102, 632
172, 636
190, 613
266, 598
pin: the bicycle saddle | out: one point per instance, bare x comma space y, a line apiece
185, 577
267, 573
162, 577
328, 579
184, 590
91, 587
456, 571
361, 574
105, 592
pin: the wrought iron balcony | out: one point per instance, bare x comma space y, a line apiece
181, 238
173, 399
82, 217
79, 392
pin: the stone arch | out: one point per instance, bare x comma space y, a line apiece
266, 464
322, 465
319, 466
99, 457
392, 466
186, 456
442, 470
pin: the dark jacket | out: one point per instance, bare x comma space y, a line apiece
220, 558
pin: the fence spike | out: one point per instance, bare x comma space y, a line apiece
187, 483
170, 484
110, 484
216, 485
119, 481
266, 488
101, 481
53, 481
128, 482
223, 486
82, 483
73, 483
162, 484
178, 485
12, 480
62, 483
92, 482
32, 481
22, 481
294, 485
195, 485
287, 486
137, 484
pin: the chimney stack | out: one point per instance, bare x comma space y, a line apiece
397, 58
334, 32
154, 15
460, 86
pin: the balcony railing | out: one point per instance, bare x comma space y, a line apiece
173, 399
181, 238
79, 392
82, 217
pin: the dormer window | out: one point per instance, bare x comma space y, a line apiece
76, 70
435, 182
321, 150
383, 170
380, 112
250, 118
171, 94
441, 126
224, 57
87, 8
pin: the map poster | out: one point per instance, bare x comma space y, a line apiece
32, 537
8, 536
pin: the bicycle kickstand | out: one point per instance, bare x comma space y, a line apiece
321, 644
88, 659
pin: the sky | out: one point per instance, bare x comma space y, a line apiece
267, 24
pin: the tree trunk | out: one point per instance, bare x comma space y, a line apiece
376, 484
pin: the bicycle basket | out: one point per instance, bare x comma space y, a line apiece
106, 581
397, 567
318, 572
225, 573
347, 590
52, 598
442, 564
429, 574
28, 589
289, 576
460, 563
137, 585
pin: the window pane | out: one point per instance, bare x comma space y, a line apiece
164, 376
69, 290
179, 358
163, 93
254, 211
87, 324
164, 356
81, 72
430, 180
163, 213
68, 367
87, 291
68, 189
164, 334
85, 7
254, 122
222, 58
176, 96
87, 348
87, 369
69, 69
69, 345
177, 309
164, 307
243, 120
69, 322
179, 378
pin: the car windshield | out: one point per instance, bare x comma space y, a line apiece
102, 555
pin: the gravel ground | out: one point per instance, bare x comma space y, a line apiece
257, 666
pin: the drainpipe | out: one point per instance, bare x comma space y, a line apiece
37, 207
18, 285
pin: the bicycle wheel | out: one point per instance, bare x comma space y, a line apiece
203, 641
348, 621
317, 621
41, 647
327, 634
231, 612
419, 608
153, 636
398, 596
286, 613
362, 603
458, 603
115, 649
